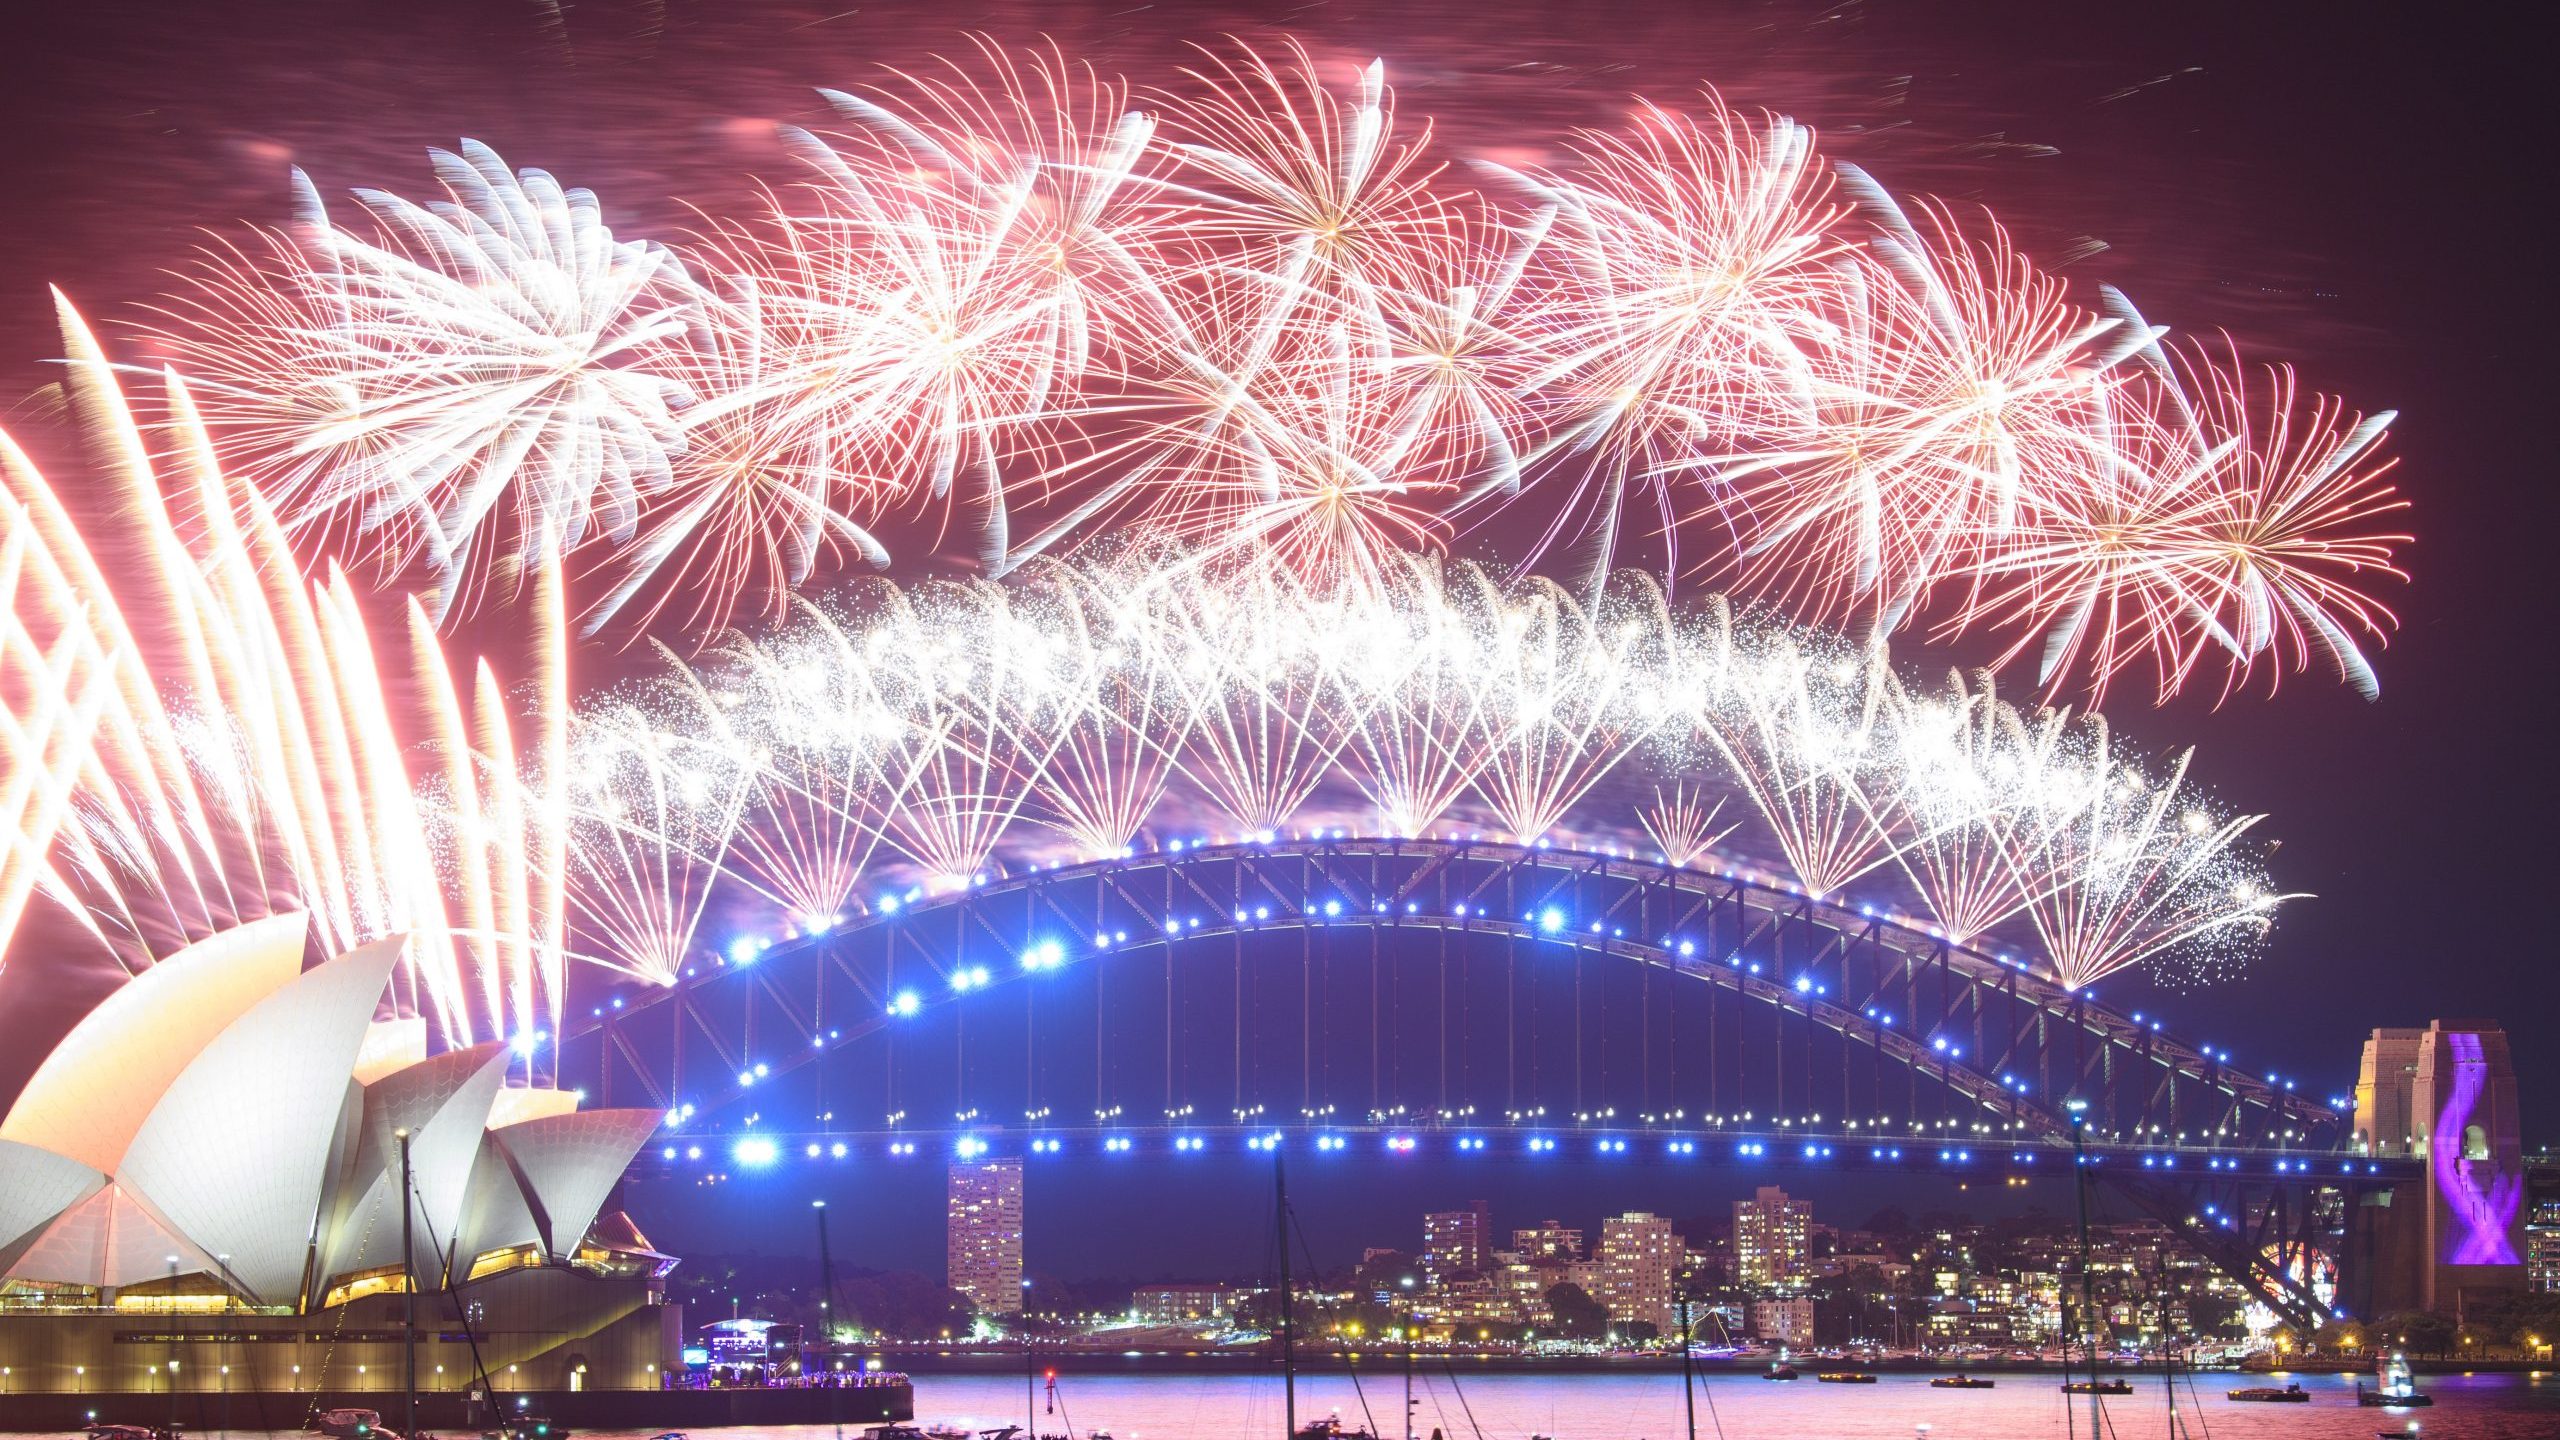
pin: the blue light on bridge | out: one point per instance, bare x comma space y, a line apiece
1046, 955
1751, 1147
1551, 920
1046, 1145
968, 978
1470, 1142
1330, 1142
1609, 1146
907, 1003
744, 950
902, 1147
1401, 1144
1681, 1147
755, 1152
969, 1147
1541, 1145
1189, 1144
1117, 1145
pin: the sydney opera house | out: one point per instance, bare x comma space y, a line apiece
200, 1191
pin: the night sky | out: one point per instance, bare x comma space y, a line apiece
2357, 190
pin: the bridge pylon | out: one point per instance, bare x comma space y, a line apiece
2444, 1095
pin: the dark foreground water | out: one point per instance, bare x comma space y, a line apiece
1648, 1407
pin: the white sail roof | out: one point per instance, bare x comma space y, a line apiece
90, 1096
35, 1186
443, 1103
237, 1150
569, 1162
495, 1213
112, 1238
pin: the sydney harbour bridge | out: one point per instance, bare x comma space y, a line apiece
1478, 999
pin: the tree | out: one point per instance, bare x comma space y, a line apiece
1578, 1316
2415, 1330
1888, 1221
2216, 1315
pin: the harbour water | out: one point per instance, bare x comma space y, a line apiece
1648, 1407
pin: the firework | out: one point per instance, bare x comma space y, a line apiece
461, 387
1252, 315
923, 738
1682, 823
239, 756
2231, 522
2138, 868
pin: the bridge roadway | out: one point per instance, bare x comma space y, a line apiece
1659, 1144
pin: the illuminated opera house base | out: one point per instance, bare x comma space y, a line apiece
200, 1194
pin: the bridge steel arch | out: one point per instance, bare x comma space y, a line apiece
2023, 1057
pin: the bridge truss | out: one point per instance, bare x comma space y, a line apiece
1341, 991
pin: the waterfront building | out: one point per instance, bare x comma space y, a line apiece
984, 1255
1180, 1304
2542, 1244
1635, 1267
1769, 1240
1456, 1242
1783, 1320
200, 1188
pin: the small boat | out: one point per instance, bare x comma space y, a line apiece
346, 1423
1960, 1382
1844, 1377
132, 1432
1330, 1428
529, 1427
2398, 1390
2270, 1395
2096, 1387
1779, 1372
668, 1435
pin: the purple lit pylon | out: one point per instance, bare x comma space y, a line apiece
2482, 1201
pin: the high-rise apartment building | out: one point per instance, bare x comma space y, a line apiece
984, 1258
1636, 1266
1456, 1242
1769, 1232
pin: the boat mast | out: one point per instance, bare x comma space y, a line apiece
1688, 1381
408, 1293
827, 1314
1288, 1303
2088, 1285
